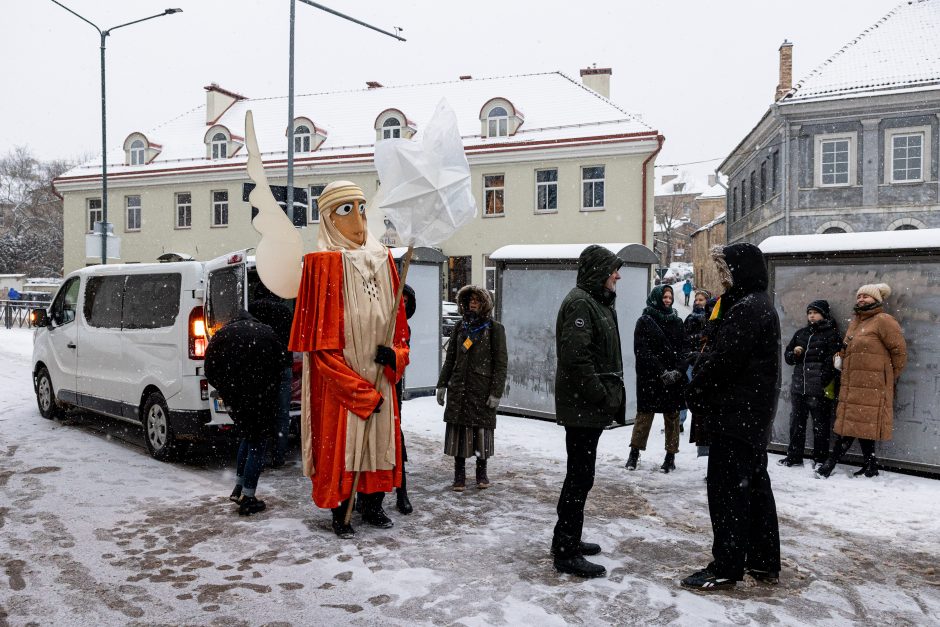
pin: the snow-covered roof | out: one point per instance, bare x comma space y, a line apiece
715, 191
690, 179
556, 108
675, 223
899, 51
920, 239
635, 253
718, 220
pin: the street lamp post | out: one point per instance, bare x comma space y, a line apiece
103, 34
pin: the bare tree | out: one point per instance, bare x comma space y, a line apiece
670, 213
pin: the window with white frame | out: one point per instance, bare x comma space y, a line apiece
592, 187
907, 155
498, 122
94, 213
546, 190
184, 210
835, 160
494, 186
489, 274
220, 208
314, 196
302, 138
132, 211
219, 146
391, 128
138, 152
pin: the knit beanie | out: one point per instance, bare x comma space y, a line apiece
822, 306
878, 291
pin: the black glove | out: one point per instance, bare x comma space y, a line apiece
671, 377
385, 356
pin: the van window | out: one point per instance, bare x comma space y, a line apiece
104, 300
226, 296
151, 301
63, 309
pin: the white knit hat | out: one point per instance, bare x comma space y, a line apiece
878, 291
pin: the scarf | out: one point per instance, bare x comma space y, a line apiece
655, 307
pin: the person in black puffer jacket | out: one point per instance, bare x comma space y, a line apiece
694, 325
810, 352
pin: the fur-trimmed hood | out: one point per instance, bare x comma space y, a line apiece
463, 300
741, 268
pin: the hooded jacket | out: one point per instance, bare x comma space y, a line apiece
660, 345
813, 369
737, 379
476, 363
589, 389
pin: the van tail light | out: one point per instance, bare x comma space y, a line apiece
203, 389
197, 334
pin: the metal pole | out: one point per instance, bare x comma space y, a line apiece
352, 19
290, 118
104, 160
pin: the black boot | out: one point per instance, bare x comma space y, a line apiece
633, 459
340, 527
402, 503
249, 505
869, 468
483, 482
578, 566
826, 468
236, 494
460, 474
669, 463
372, 512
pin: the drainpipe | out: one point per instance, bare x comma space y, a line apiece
660, 139
786, 177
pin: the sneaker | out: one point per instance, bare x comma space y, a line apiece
579, 567
249, 505
633, 459
789, 462
236, 494
584, 548
770, 578
378, 518
707, 581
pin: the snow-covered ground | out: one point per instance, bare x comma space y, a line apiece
95, 532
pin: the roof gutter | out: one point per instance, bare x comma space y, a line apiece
660, 139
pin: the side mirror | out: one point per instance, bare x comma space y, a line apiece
39, 318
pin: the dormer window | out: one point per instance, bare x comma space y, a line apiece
220, 143
393, 124
302, 138
307, 136
219, 146
500, 118
138, 150
391, 128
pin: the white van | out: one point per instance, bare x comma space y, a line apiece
129, 340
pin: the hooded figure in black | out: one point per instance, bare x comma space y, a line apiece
735, 386
661, 349
589, 396
811, 353
244, 362
402, 502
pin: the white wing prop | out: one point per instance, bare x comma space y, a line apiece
426, 187
279, 255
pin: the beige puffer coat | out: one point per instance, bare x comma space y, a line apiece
874, 355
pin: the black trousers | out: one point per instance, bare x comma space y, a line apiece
844, 442
581, 444
742, 508
820, 409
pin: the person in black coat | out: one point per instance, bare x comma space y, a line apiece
244, 361
402, 502
694, 325
810, 352
735, 386
661, 350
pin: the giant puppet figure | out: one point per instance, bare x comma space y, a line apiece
350, 419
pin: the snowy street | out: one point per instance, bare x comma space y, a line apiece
95, 532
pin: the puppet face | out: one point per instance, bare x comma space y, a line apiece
350, 220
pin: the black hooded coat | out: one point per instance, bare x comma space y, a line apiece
589, 389
244, 362
737, 379
659, 344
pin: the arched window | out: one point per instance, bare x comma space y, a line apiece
138, 152
833, 229
302, 138
219, 146
498, 119
906, 224
906, 227
391, 128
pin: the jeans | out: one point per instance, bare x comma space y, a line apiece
250, 463
641, 431
581, 444
820, 408
282, 421
742, 509
687, 299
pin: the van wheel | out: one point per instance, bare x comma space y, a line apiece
45, 396
157, 431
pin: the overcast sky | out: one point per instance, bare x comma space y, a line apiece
702, 72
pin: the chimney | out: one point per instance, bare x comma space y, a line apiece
668, 177
786, 70
373, 84
218, 101
598, 79
712, 180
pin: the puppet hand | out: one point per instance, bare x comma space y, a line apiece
440, 396
837, 362
798, 351
492, 402
385, 356
671, 377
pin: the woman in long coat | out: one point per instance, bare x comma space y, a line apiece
873, 356
661, 349
473, 378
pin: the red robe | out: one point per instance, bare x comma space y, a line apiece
334, 388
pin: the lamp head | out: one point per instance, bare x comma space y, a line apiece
172, 11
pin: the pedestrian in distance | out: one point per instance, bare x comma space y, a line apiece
472, 380
735, 386
872, 359
661, 350
694, 325
244, 361
402, 502
589, 397
811, 353
687, 290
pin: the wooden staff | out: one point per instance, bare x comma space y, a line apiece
389, 338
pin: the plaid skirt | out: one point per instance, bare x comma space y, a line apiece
461, 441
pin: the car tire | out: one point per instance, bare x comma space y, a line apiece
45, 395
161, 441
